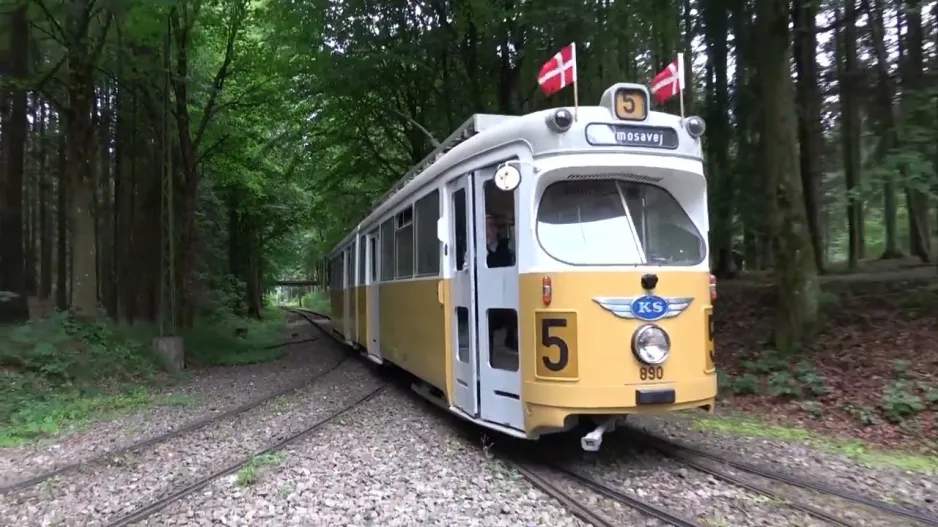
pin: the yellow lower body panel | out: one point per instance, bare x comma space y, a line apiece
548, 405
578, 357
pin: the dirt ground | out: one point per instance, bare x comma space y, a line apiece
872, 373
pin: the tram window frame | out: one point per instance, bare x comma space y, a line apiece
404, 232
350, 267
460, 228
373, 242
500, 208
362, 259
623, 208
336, 273
427, 245
387, 250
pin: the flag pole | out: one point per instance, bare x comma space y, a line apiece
576, 89
680, 81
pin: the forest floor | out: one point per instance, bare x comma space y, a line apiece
57, 373
871, 375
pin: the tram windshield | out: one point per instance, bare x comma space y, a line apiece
599, 221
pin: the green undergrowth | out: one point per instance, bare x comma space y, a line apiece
59, 373
226, 340
743, 425
317, 301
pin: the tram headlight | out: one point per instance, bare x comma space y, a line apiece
695, 126
651, 344
560, 120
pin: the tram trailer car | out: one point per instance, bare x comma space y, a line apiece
543, 271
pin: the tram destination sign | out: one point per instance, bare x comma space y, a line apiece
631, 135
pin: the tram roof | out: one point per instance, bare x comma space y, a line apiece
594, 131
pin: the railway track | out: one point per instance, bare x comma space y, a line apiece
746, 476
171, 434
720, 467
158, 505
534, 471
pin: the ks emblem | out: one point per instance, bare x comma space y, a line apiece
647, 307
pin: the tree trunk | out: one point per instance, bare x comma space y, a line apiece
13, 143
848, 76
45, 226
721, 175
912, 68
890, 139
61, 226
809, 121
796, 274
80, 153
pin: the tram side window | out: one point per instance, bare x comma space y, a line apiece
336, 274
350, 268
361, 262
459, 224
428, 246
373, 249
404, 243
387, 250
499, 224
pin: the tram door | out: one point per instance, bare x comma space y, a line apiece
348, 315
496, 270
371, 281
459, 257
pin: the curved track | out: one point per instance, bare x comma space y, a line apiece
532, 471
190, 427
687, 454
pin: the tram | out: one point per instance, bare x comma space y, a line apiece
542, 272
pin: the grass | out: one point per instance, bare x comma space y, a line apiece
737, 424
58, 373
248, 473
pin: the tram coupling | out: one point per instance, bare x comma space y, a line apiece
593, 440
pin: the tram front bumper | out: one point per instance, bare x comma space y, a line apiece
547, 404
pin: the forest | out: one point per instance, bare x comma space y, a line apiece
162, 162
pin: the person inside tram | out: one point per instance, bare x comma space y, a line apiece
499, 251
500, 254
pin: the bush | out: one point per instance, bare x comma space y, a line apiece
317, 301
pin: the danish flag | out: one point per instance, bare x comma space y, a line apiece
669, 82
558, 72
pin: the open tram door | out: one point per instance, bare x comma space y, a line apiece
458, 270
484, 300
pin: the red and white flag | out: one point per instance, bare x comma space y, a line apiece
669, 82
558, 72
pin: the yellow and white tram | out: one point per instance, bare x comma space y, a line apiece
539, 270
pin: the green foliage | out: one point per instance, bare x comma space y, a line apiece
781, 380
899, 402
222, 339
61, 370
317, 301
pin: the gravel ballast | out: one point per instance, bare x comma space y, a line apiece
120, 484
211, 391
396, 460
915, 490
389, 463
